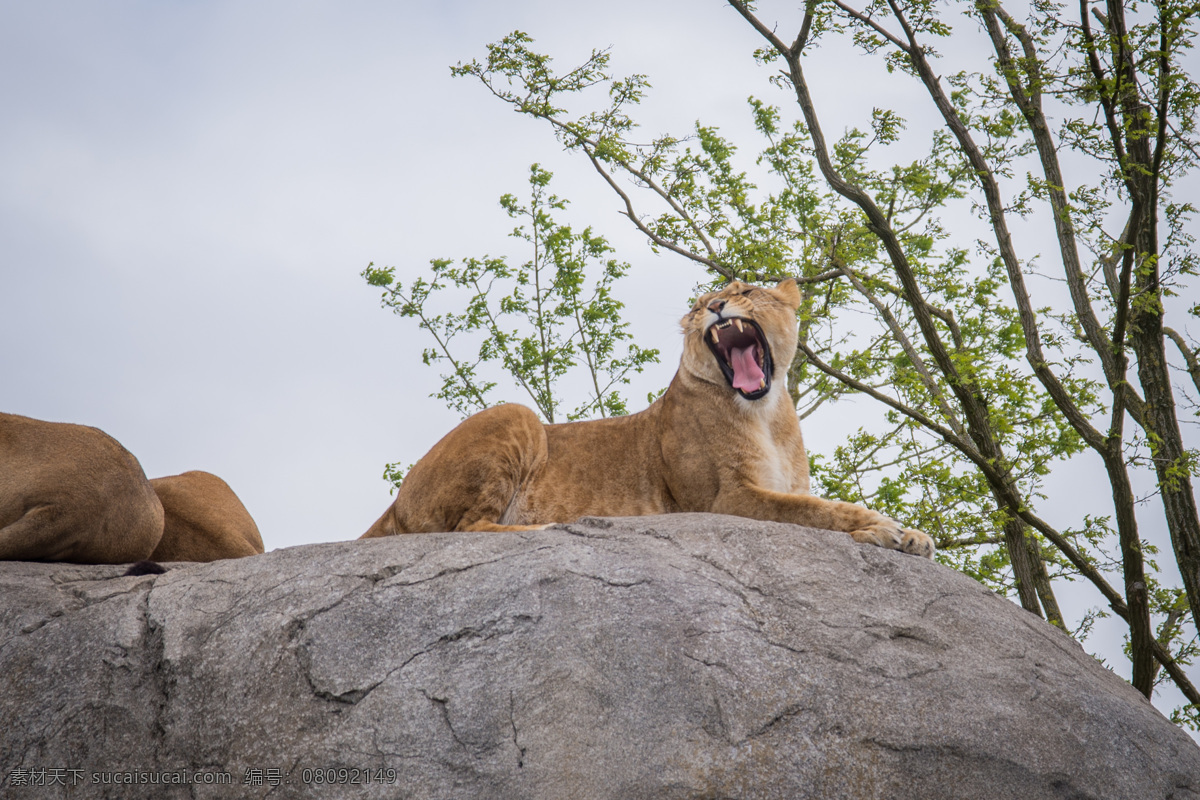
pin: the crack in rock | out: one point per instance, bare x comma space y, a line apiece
490, 629
467, 567
512, 721
442, 704
614, 582
777, 719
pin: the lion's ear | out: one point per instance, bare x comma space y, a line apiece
788, 292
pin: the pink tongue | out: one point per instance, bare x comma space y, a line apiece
746, 374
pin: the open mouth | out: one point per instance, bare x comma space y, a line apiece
743, 355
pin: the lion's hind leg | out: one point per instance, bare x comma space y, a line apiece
490, 527
474, 478
42, 532
62, 531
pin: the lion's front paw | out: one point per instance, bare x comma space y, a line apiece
917, 543
884, 532
881, 532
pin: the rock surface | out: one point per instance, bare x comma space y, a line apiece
686, 656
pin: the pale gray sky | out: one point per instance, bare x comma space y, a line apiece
188, 192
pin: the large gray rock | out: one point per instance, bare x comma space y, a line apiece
687, 656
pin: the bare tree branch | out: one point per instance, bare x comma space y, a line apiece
1189, 355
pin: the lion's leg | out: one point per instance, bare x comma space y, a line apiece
41, 533
864, 525
917, 542
489, 527
48, 533
474, 478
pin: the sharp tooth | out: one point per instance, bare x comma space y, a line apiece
715, 337
738, 322
762, 383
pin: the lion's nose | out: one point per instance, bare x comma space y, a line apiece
716, 305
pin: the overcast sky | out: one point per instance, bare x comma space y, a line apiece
189, 191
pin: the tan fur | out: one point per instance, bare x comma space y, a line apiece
702, 446
204, 520
72, 493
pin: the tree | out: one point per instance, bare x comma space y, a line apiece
537, 321
984, 391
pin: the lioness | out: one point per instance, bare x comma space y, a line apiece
723, 438
204, 520
72, 493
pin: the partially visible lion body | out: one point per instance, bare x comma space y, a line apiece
72, 493
203, 520
723, 438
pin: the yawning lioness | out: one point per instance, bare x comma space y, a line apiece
723, 438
